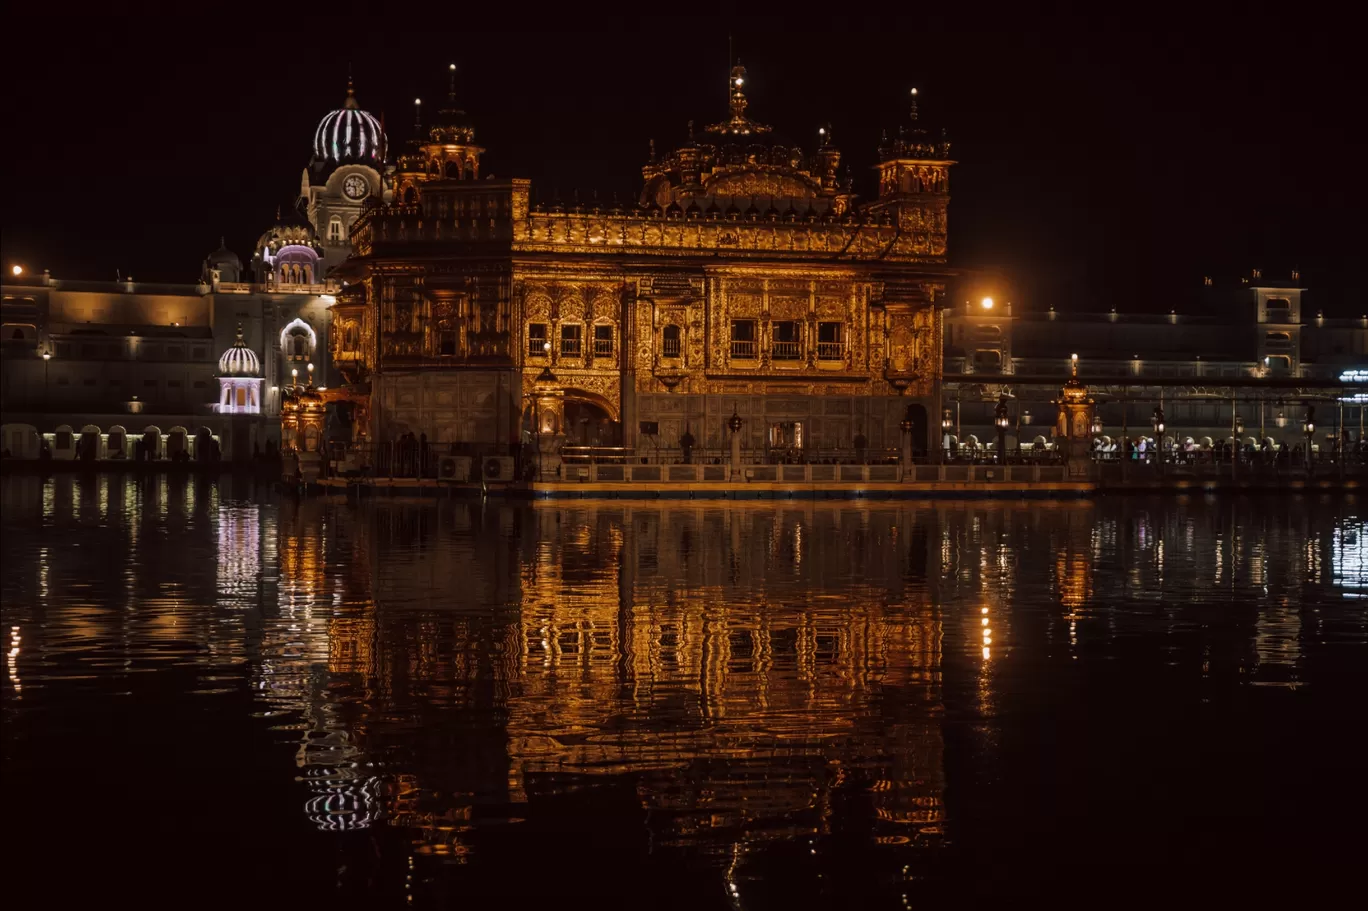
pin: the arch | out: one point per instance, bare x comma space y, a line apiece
920, 427
177, 442
63, 442
204, 445
453, 170
604, 404
410, 197
152, 445
20, 441
116, 443
88, 447
297, 326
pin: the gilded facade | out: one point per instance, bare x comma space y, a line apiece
747, 278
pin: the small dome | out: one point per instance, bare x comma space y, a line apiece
349, 135
240, 360
223, 261
291, 230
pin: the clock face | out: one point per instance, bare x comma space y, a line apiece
355, 186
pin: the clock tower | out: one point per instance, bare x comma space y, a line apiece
347, 167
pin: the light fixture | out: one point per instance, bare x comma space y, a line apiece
947, 422
987, 303
47, 355
1097, 425
1281, 419
1158, 419
1239, 424
1025, 417
16, 270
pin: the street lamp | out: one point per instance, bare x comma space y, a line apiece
1158, 421
947, 425
1002, 421
47, 356
987, 303
1281, 419
16, 270
1309, 428
1026, 418
1097, 425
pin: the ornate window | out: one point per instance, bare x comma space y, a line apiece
335, 230
446, 343
537, 343
786, 345
830, 342
572, 338
671, 345
603, 341
743, 338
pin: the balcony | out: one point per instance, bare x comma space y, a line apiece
743, 349
829, 351
786, 351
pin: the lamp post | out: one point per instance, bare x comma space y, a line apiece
947, 425
1309, 428
1003, 421
1158, 421
47, 356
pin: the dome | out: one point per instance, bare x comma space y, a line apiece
240, 360
223, 261
292, 230
349, 135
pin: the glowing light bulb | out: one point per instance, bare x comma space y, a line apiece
452, 67
987, 303
914, 91
17, 270
739, 80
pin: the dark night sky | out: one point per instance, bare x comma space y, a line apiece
1099, 166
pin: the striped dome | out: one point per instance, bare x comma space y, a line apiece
349, 135
239, 360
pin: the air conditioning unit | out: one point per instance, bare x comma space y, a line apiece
497, 468
453, 468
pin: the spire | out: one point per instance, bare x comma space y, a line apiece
737, 122
350, 104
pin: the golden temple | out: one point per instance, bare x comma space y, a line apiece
747, 279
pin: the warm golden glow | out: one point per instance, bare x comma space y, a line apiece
987, 303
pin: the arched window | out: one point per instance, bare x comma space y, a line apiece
410, 197
335, 229
671, 346
299, 346
453, 170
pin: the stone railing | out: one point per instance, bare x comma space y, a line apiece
808, 474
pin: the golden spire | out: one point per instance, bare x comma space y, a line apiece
738, 123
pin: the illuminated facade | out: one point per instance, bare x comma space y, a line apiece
747, 279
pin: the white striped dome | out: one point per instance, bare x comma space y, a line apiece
239, 360
349, 135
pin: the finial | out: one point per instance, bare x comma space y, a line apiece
418, 115
350, 103
239, 334
451, 93
653, 158
277, 212
914, 103
1073, 364
736, 88
691, 138
222, 243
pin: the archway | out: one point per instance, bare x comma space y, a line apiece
63, 442
89, 447
204, 445
177, 442
588, 423
917, 415
115, 443
151, 440
21, 441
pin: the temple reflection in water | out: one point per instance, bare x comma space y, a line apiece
439, 667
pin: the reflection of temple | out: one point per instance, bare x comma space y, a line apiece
747, 278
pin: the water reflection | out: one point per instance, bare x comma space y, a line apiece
761, 679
